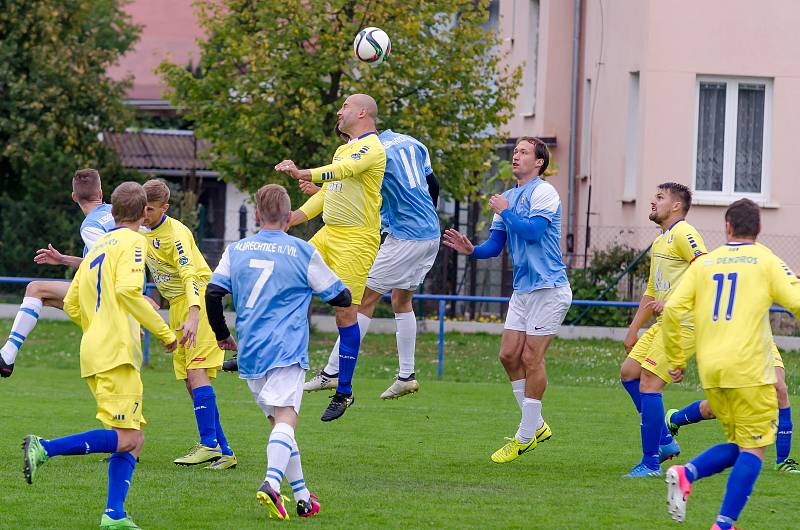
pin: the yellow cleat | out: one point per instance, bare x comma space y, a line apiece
224, 462
512, 450
199, 454
543, 433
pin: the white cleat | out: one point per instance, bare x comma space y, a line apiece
321, 381
678, 490
400, 388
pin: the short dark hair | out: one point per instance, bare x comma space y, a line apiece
540, 149
744, 217
681, 192
128, 202
86, 184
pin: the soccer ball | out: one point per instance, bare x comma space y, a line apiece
372, 45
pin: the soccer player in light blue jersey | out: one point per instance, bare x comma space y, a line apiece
88, 194
410, 191
272, 276
528, 218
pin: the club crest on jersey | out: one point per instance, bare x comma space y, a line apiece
157, 243
355, 156
183, 260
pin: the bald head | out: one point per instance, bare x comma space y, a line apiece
366, 103
358, 115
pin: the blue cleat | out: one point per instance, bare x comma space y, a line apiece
668, 451
642, 471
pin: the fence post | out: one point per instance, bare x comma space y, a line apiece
441, 338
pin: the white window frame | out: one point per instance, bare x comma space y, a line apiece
728, 194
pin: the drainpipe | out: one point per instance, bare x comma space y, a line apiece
573, 129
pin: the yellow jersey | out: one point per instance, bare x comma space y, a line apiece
730, 291
670, 255
176, 264
351, 189
105, 291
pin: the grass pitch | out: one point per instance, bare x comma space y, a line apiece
421, 461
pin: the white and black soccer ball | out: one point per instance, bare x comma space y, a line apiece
372, 45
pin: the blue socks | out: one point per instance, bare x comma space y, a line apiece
653, 428
711, 461
223, 442
349, 343
783, 444
632, 387
120, 472
96, 441
740, 485
205, 411
687, 415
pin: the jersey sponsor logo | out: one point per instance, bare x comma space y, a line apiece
355, 156
183, 260
156, 243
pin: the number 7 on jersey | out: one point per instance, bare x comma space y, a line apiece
266, 267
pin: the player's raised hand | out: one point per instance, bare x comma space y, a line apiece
308, 188
288, 167
457, 241
228, 344
498, 203
48, 256
171, 347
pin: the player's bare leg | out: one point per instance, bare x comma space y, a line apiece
209, 450
406, 321
512, 345
37, 294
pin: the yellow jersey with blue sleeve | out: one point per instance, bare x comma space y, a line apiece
670, 256
351, 185
730, 291
105, 290
175, 263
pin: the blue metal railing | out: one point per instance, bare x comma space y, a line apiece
441, 298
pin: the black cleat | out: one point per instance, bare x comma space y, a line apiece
308, 508
231, 365
5, 369
337, 406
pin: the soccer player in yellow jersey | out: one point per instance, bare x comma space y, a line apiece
644, 372
181, 274
105, 291
350, 203
730, 291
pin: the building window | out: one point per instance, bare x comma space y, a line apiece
531, 60
732, 138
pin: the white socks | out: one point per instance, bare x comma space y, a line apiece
279, 450
25, 321
332, 368
518, 387
406, 341
294, 475
531, 419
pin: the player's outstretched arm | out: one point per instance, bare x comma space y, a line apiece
433, 187
785, 287
216, 316
51, 256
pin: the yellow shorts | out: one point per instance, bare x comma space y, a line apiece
749, 415
776, 355
118, 393
649, 350
205, 354
350, 253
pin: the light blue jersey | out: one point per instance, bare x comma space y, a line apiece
536, 265
272, 276
97, 222
407, 211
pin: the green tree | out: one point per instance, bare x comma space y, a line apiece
55, 99
273, 74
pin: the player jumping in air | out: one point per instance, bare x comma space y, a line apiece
350, 202
730, 291
272, 276
528, 216
106, 290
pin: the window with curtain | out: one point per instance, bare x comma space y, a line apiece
731, 144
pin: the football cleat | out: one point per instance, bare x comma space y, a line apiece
668, 451
126, 523
337, 406
543, 433
512, 450
400, 388
642, 471
5, 368
273, 501
231, 365
33, 455
199, 454
224, 462
673, 429
788, 466
678, 490
321, 381
308, 508
718, 527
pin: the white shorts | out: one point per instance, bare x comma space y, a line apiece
280, 387
539, 312
402, 264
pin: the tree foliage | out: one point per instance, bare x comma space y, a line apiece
273, 74
55, 98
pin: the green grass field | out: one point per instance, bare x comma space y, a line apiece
422, 461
